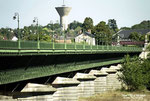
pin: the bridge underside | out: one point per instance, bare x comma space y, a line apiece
20, 68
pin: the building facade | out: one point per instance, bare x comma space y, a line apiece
85, 37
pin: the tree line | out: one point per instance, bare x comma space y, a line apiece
103, 31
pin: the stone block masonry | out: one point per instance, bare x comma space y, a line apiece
112, 79
86, 86
35, 92
118, 83
66, 89
100, 81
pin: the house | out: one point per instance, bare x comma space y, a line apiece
124, 34
85, 37
61, 39
14, 38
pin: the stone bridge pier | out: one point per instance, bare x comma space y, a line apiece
70, 89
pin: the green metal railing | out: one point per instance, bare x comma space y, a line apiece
33, 45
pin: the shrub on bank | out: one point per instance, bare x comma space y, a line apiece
135, 73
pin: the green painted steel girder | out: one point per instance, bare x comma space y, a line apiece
21, 74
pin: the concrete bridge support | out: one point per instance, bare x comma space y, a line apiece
117, 83
112, 79
86, 86
66, 89
70, 89
35, 92
100, 81
7, 98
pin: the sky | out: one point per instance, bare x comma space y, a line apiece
125, 12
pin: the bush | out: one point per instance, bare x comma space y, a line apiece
146, 72
135, 73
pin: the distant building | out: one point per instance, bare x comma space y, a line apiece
60, 39
124, 34
124, 39
85, 37
14, 38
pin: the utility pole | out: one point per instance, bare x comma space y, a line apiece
37, 25
16, 16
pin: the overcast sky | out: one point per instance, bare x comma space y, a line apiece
126, 12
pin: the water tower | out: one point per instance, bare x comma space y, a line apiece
63, 12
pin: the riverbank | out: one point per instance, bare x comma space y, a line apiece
119, 96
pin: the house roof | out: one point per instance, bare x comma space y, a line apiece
88, 34
126, 33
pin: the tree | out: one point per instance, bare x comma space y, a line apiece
88, 24
103, 33
31, 33
142, 25
28, 33
113, 25
134, 36
6, 33
125, 28
1, 37
74, 25
134, 75
137, 37
78, 29
52, 26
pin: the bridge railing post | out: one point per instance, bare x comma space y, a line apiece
116, 48
91, 46
19, 44
108, 47
65, 40
75, 47
65, 45
53, 45
84, 45
38, 44
97, 44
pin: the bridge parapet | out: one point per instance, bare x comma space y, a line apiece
31, 48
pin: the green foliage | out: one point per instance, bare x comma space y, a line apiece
32, 37
1, 37
53, 26
31, 33
78, 29
73, 25
88, 24
6, 33
46, 38
148, 48
125, 28
136, 36
103, 33
113, 25
135, 73
146, 72
69, 33
142, 25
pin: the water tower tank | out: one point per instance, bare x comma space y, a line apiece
63, 13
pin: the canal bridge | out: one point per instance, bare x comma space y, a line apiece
27, 60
